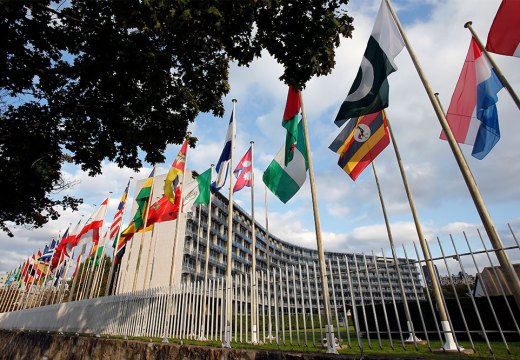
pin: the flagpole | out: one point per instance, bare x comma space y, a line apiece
78, 275
152, 242
268, 241
254, 320
331, 346
149, 247
47, 275
63, 278
111, 273
179, 214
412, 337
142, 235
206, 263
83, 286
450, 344
502, 257
503, 79
198, 241
226, 343
100, 265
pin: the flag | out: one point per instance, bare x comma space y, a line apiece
290, 122
285, 180
244, 170
196, 190
48, 251
225, 157
68, 240
118, 217
360, 142
162, 210
90, 231
472, 114
142, 200
369, 92
504, 35
172, 179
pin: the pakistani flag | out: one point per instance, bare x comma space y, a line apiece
196, 190
369, 92
285, 180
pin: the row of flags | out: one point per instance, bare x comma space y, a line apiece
472, 116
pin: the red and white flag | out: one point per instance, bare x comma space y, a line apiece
504, 35
244, 172
90, 232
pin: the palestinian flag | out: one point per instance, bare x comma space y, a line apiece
369, 92
290, 122
285, 180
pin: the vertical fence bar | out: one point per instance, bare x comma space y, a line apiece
456, 296
493, 268
288, 297
295, 307
344, 304
281, 305
304, 312
410, 272
263, 304
362, 297
318, 301
334, 301
459, 260
393, 299
353, 304
376, 321
383, 301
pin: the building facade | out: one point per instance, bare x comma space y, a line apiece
374, 277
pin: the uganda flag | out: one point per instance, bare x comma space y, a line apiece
359, 143
369, 92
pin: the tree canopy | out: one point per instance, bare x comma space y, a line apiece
99, 80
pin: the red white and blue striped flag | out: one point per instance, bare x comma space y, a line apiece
118, 217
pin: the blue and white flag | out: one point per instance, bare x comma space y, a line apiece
48, 251
222, 167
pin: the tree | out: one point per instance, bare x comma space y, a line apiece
103, 80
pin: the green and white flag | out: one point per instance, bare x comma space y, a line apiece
285, 180
196, 190
369, 92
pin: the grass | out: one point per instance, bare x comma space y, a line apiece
482, 352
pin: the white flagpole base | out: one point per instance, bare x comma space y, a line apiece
331, 341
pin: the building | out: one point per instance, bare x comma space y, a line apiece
190, 250
494, 281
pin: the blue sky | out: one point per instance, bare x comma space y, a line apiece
350, 211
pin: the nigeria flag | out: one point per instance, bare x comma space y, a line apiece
369, 92
285, 180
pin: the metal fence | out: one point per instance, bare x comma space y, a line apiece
368, 305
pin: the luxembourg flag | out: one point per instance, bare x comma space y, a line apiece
472, 114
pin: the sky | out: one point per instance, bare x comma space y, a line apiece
350, 212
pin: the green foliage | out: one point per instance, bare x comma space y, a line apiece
100, 80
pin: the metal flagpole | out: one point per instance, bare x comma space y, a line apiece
136, 274
268, 261
503, 259
450, 344
229, 309
111, 273
206, 264
152, 242
331, 348
100, 266
254, 320
197, 246
412, 337
62, 282
494, 64
47, 275
179, 214
77, 271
